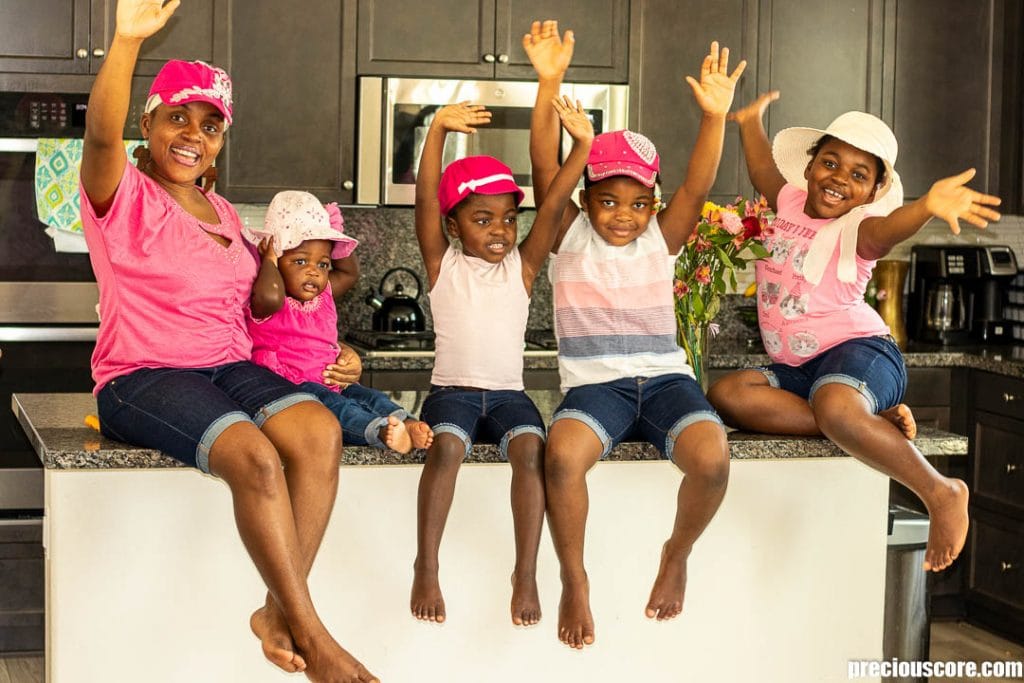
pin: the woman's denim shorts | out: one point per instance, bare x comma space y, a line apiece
182, 411
481, 416
655, 409
871, 365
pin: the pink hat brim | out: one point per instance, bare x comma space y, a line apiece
607, 169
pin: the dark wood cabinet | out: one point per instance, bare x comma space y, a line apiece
482, 39
72, 36
294, 81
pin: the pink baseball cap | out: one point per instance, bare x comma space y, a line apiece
479, 175
179, 82
623, 152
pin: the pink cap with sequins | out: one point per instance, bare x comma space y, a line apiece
623, 152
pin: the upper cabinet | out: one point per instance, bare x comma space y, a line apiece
483, 39
72, 36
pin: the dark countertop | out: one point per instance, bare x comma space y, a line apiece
55, 426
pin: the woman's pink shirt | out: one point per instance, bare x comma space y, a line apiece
170, 295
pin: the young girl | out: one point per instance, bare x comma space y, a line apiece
835, 370
294, 323
480, 296
623, 372
172, 363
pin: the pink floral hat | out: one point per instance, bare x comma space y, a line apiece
623, 152
180, 82
479, 175
294, 217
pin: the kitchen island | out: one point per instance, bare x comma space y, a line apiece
146, 575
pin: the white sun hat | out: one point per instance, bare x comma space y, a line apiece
790, 149
294, 217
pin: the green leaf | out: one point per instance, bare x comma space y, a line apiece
758, 249
726, 261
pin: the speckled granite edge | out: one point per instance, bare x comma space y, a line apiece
63, 442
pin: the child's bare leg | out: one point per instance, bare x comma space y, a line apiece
746, 400
251, 466
437, 488
395, 436
420, 433
573, 448
845, 418
702, 453
526, 455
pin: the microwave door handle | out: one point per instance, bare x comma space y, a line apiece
18, 145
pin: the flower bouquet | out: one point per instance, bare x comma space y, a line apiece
726, 238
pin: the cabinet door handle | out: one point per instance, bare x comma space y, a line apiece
1011, 468
503, 59
1007, 566
489, 58
82, 53
348, 185
1009, 398
99, 52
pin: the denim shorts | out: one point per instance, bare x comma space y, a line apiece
871, 365
182, 411
361, 411
652, 409
479, 416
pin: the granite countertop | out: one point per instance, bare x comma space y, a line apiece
55, 426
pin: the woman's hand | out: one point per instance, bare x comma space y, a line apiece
142, 18
756, 109
574, 119
267, 251
715, 90
461, 118
549, 54
950, 200
345, 370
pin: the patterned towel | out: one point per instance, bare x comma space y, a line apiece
57, 163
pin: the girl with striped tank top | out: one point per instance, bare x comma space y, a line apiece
479, 297
623, 374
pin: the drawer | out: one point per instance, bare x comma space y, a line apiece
999, 395
997, 563
999, 460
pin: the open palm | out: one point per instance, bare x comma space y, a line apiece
143, 18
549, 54
950, 199
715, 90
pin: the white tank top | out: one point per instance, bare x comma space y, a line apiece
480, 311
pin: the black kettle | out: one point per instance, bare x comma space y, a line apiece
396, 306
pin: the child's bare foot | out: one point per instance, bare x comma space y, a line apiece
947, 531
426, 603
331, 663
420, 433
525, 600
575, 623
669, 589
395, 436
903, 418
270, 627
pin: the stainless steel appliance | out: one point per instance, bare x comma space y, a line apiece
958, 293
395, 114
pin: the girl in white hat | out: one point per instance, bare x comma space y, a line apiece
835, 369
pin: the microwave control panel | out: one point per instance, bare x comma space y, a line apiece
42, 115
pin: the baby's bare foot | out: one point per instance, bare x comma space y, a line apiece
331, 663
270, 627
575, 622
947, 530
669, 589
426, 602
420, 433
903, 418
395, 436
525, 600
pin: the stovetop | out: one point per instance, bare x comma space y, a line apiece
424, 341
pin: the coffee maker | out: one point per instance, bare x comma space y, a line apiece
956, 293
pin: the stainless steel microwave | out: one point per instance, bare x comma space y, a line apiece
395, 114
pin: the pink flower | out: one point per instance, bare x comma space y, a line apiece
703, 275
732, 223
882, 295
680, 289
702, 244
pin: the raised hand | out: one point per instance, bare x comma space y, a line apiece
143, 18
755, 110
574, 119
266, 250
549, 54
716, 87
950, 200
462, 117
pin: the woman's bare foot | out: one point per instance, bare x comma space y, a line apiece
395, 436
270, 627
525, 600
420, 433
903, 418
669, 588
575, 622
947, 532
426, 602
328, 662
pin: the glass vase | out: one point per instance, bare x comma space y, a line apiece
694, 341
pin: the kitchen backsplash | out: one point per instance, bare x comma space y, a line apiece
387, 239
